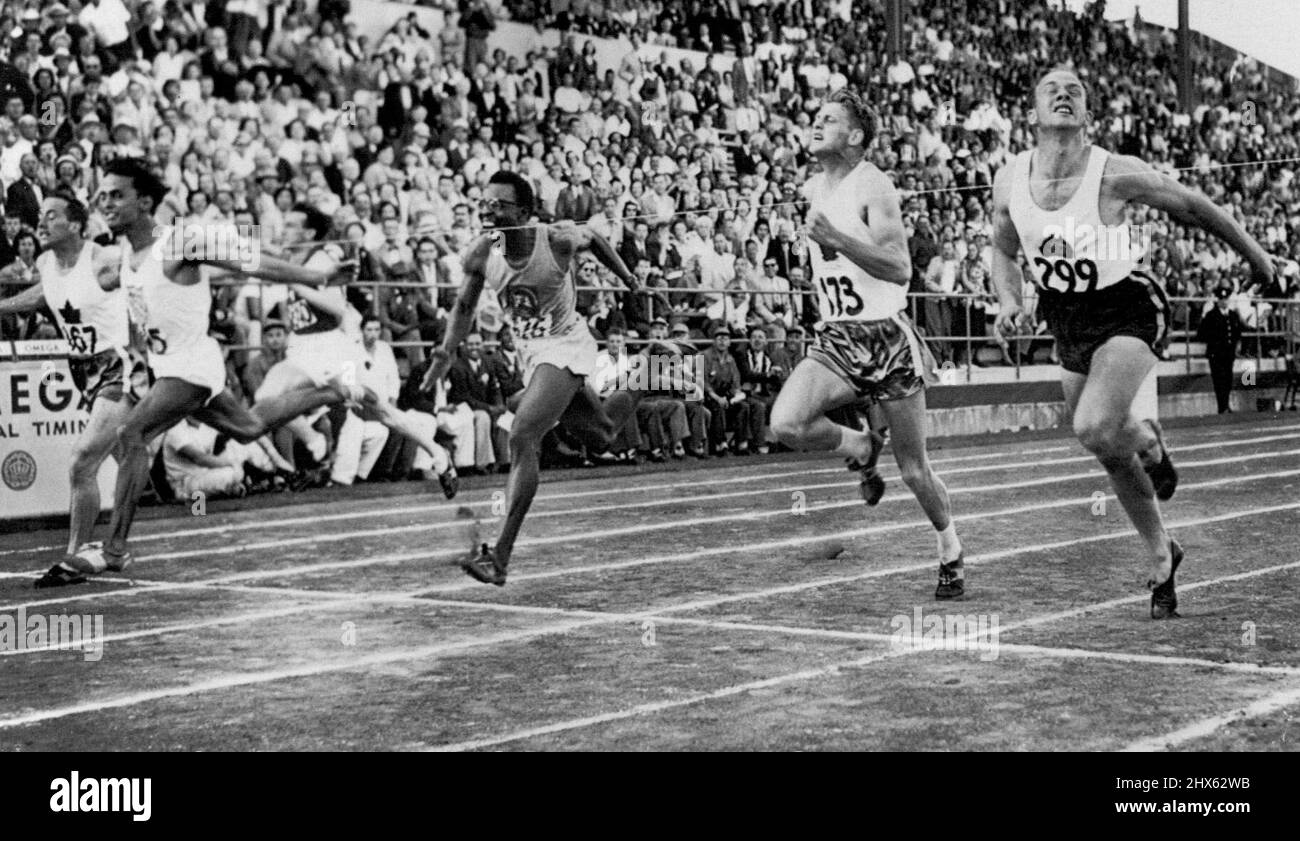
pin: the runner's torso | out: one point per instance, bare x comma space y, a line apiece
845, 292
91, 319
166, 317
539, 299
1071, 250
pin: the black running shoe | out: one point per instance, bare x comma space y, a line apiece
484, 566
1164, 478
60, 575
1164, 601
450, 483
872, 484
952, 579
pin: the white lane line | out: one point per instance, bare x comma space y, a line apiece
305, 670
640, 489
1207, 726
319, 668
671, 524
802, 540
542, 497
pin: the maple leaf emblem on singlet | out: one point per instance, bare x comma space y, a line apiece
70, 314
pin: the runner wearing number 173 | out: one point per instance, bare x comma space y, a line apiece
1107, 314
865, 348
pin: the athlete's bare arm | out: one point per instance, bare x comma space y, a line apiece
333, 304
1130, 179
106, 260
880, 249
28, 300
274, 269
583, 238
1007, 278
462, 314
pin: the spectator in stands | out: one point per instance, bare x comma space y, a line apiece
472, 385
760, 378
729, 424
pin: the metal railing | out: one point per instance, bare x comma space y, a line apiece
1273, 326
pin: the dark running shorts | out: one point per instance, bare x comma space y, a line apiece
104, 376
1136, 306
880, 360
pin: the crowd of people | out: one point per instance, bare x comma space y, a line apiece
259, 112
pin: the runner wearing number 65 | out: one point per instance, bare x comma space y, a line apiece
1063, 203
865, 348
529, 266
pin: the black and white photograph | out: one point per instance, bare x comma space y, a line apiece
640, 376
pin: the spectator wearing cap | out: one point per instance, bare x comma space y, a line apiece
577, 201
275, 337
760, 379
671, 412
729, 421
1221, 330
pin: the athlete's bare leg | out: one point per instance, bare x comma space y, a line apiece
1102, 406
96, 443
799, 413
907, 422
168, 402
547, 397
390, 417
226, 414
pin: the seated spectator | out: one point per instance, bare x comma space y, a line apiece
613, 373
729, 425
474, 387
760, 379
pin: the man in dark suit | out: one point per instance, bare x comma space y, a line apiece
760, 379
782, 249
636, 248
25, 195
1221, 330
506, 366
473, 383
577, 201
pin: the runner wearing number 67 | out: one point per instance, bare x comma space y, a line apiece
1064, 205
865, 348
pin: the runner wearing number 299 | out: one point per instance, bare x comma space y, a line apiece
1108, 316
866, 349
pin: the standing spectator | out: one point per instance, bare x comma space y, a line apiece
25, 195
478, 24
941, 282
577, 201
1221, 330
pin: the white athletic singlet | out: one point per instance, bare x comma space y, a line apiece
539, 300
173, 318
1071, 250
845, 292
91, 319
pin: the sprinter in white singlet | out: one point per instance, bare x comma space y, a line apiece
1063, 204
170, 302
322, 350
530, 267
865, 348
78, 281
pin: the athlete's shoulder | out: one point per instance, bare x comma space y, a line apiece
1128, 176
873, 179
476, 256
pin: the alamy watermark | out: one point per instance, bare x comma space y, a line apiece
196, 241
946, 632
56, 632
